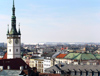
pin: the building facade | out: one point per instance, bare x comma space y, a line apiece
37, 63
41, 64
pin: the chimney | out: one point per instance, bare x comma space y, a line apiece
21, 67
8, 67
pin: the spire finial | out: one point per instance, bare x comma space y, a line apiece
8, 26
19, 30
19, 25
8, 29
13, 9
13, 2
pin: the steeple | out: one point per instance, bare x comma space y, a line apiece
13, 30
13, 38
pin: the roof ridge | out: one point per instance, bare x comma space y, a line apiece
76, 56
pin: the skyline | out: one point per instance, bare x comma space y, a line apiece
53, 21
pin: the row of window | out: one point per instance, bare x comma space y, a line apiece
35, 62
10, 50
81, 73
60, 61
46, 65
85, 74
46, 61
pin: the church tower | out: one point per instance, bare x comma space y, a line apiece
13, 38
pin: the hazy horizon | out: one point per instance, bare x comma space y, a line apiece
53, 21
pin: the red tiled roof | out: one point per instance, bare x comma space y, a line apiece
61, 55
62, 48
5, 56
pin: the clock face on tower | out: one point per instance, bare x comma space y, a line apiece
10, 41
16, 41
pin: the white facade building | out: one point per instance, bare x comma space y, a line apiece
41, 64
47, 64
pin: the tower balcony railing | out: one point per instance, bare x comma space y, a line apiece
13, 35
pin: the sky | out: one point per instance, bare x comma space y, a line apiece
53, 20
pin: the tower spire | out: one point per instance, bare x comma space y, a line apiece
13, 2
13, 9
13, 30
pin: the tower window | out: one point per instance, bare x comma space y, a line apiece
9, 50
16, 50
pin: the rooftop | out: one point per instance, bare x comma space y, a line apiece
4, 57
82, 56
70, 67
61, 55
14, 64
10, 72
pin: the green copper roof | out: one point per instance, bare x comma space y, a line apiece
84, 56
13, 32
97, 56
71, 55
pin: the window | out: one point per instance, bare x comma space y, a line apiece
16, 50
9, 50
